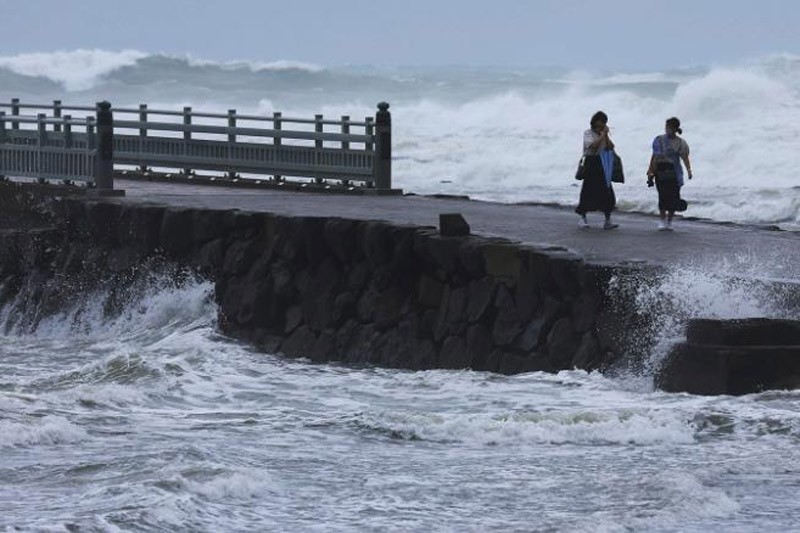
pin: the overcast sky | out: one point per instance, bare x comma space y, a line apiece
618, 34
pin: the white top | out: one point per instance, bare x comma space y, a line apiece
589, 137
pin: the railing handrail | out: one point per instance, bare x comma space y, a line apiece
33, 119
192, 113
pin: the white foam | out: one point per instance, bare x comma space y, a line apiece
568, 426
45, 431
77, 69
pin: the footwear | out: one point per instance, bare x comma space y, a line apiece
669, 225
662, 226
610, 225
582, 223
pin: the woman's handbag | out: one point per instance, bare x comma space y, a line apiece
617, 175
580, 172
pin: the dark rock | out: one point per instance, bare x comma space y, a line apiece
324, 348
344, 308
479, 346
145, 229
565, 269
443, 252
507, 324
429, 292
471, 256
502, 262
589, 354
365, 308
326, 278
239, 257
744, 332
376, 243
318, 310
358, 276
562, 343
211, 256
300, 343
454, 354
390, 306
585, 310
527, 295
177, 232
209, 225
102, 218
282, 282
533, 335
481, 293
453, 225
427, 323
340, 237
450, 319
294, 317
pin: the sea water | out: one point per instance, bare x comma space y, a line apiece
148, 419
490, 133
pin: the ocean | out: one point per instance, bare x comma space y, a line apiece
148, 419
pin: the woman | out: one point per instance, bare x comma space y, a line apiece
597, 193
665, 169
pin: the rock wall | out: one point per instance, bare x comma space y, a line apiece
345, 290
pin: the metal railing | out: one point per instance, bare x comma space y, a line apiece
235, 144
67, 152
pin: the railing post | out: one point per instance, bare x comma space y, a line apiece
14, 112
369, 131
382, 167
187, 134
142, 134
231, 140
345, 146
67, 131
345, 131
41, 143
104, 169
91, 139
3, 135
318, 143
277, 141
56, 114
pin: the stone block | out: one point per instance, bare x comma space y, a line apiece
454, 354
481, 294
562, 343
177, 232
502, 262
340, 238
507, 324
453, 225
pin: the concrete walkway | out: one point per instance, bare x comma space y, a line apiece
777, 253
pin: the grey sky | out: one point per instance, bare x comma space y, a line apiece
617, 34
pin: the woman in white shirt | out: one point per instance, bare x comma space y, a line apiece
597, 192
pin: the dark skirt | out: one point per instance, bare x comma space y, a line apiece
595, 194
669, 192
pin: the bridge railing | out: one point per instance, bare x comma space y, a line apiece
45, 148
186, 140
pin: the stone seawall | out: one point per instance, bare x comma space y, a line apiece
364, 292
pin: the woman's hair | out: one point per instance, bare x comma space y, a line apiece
599, 116
675, 124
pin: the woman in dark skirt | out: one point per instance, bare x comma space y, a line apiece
597, 193
666, 171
